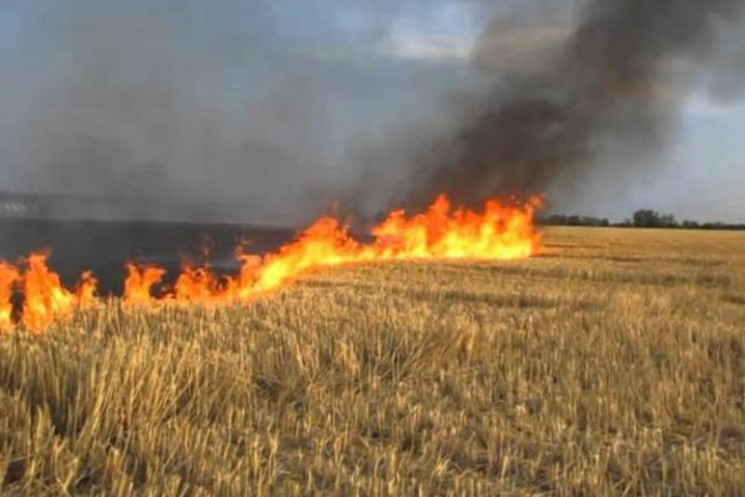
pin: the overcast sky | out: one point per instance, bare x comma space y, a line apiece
349, 69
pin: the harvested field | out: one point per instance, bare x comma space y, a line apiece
611, 364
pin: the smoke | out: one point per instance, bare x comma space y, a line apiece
197, 103
570, 100
238, 106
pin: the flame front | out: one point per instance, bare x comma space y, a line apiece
500, 232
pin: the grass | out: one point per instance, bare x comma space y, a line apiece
612, 364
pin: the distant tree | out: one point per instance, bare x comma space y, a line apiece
668, 221
643, 218
646, 218
574, 220
626, 223
715, 226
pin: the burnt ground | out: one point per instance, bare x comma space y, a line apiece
105, 247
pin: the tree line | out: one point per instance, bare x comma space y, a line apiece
642, 218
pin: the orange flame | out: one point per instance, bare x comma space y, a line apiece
9, 276
86, 290
196, 284
45, 295
139, 283
500, 232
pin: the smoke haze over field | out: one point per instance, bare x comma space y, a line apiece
186, 101
285, 107
168, 99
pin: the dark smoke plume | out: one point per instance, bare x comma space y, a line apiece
613, 84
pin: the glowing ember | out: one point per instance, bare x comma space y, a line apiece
500, 232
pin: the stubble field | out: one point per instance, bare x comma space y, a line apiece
611, 364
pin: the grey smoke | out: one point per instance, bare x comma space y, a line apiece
145, 100
214, 103
200, 103
604, 94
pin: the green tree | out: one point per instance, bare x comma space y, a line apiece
646, 218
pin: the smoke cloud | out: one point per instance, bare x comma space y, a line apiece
225, 104
216, 104
603, 92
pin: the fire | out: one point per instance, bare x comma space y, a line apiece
9, 276
139, 283
86, 290
44, 293
196, 284
499, 232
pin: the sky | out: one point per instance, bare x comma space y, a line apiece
331, 77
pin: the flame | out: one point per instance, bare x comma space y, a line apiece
45, 295
9, 276
196, 284
500, 232
86, 290
139, 283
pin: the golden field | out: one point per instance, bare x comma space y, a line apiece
611, 364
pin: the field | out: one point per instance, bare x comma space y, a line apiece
611, 364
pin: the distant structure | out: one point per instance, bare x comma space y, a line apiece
19, 205
15, 205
